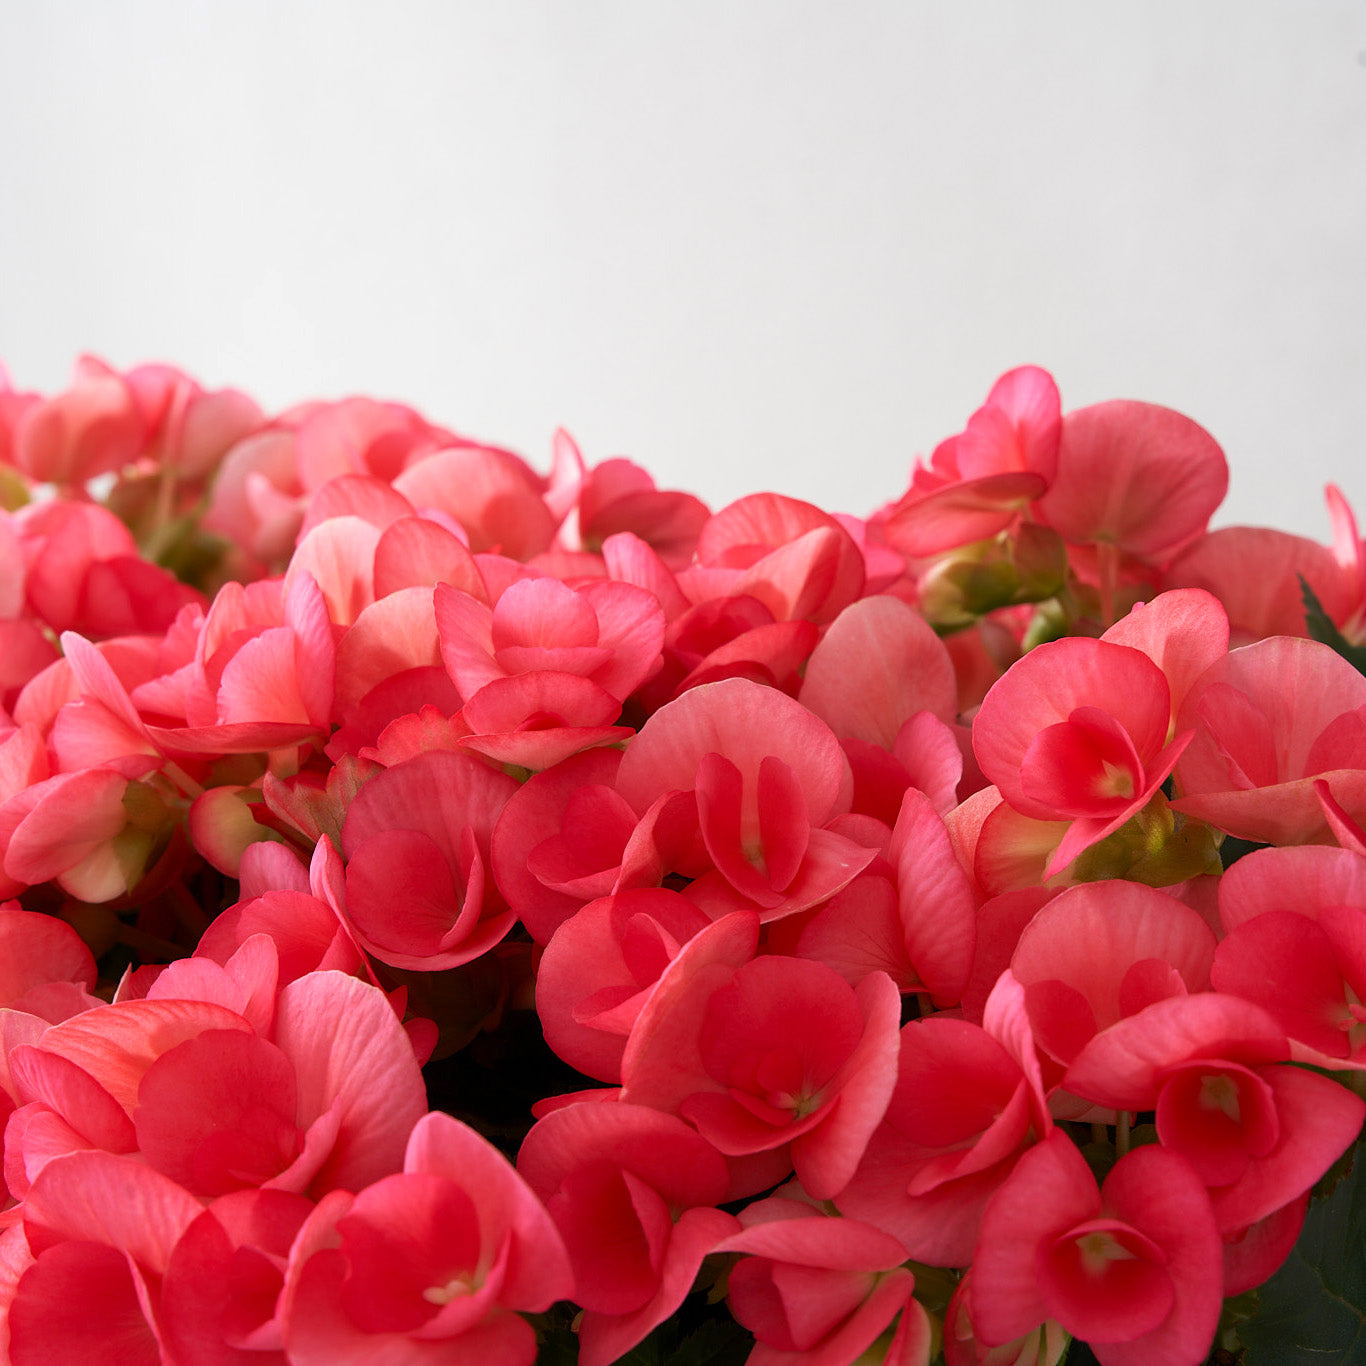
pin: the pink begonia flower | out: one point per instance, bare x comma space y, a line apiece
878, 665
433, 1264
338, 555
1257, 1131
604, 631
393, 634
493, 495
599, 969
306, 932
416, 844
325, 1102
979, 481
1255, 573
1135, 476
768, 776
545, 670
1183, 631
100, 1231
188, 427
617, 496
257, 501
561, 839
362, 436
819, 1290
1133, 1269
726, 637
1296, 946
773, 1055
921, 931
1101, 951
84, 572
1043, 1345
82, 830
44, 964
633, 1193
968, 1101
1269, 719
797, 560
92, 428
1078, 730
220, 1297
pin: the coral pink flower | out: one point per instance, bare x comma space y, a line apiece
878, 665
1296, 945
1136, 476
599, 970
633, 1194
92, 428
977, 482
819, 1290
492, 494
220, 1297
772, 1055
433, 1264
545, 670
188, 427
617, 496
326, 1101
83, 572
100, 1231
920, 932
768, 777
1256, 1131
257, 502
1268, 602
1134, 1269
545, 874
797, 560
1103, 950
1269, 719
968, 1101
416, 843
1078, 730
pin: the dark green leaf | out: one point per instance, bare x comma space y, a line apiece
1321, 628
1312, 1312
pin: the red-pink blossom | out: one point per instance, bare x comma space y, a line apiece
768, 776
978, 482
599, 969
633, 1193
968, 1101
1269, 719
416, 843
1256, 1131
819, 1290
1134, 1269
1135, 476
773, 1055
1078, 730
797, 560
431, 1264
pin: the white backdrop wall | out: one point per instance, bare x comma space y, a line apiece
750, 244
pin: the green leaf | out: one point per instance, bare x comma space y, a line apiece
1321, 628
1312, 1312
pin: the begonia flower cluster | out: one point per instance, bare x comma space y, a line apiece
451, 908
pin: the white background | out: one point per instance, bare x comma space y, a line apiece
754, 244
